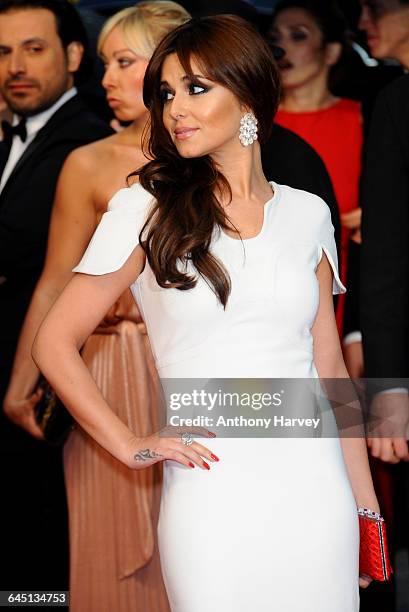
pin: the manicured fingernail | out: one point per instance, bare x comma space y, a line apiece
214, 457
192, 465
211, 434
207, 466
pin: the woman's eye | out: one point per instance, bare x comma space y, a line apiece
165, 95
196, 89
274, 37
299, 35
124, 62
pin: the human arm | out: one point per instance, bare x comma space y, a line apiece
72, 224
352, 338
73, 317
330, 365
352, 219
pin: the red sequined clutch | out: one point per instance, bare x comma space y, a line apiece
373, 551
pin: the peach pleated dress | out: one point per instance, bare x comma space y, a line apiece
113, 511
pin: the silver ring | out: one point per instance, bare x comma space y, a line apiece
186, 438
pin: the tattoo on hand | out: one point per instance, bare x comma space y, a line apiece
145, 455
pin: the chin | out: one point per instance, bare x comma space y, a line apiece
30, 103
377, 51
123, 116
189, 152
188, 155
289, 86
26, 109
289, 81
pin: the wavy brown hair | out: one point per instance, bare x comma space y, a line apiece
180, 226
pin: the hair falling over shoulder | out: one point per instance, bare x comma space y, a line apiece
187, 210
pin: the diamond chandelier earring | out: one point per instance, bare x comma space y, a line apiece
248, 129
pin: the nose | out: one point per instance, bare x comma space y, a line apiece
109, 78
177, 108
365, 19
17, 63
281, 45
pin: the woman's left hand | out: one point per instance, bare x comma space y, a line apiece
22, 412
352, 219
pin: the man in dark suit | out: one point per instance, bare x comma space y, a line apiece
41, 49
385, 258
384, 303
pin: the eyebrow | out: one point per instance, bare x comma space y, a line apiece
36, 39
295, 25
28, 41
123, 51
102, 54
187, 78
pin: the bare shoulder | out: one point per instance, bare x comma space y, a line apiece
91, 157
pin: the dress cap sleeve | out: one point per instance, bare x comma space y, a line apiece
117, 234
326, 243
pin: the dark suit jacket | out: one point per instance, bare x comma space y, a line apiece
289, 160
25, 207
385, 232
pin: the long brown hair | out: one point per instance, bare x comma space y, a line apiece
180, 227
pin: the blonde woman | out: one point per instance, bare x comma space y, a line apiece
114, 563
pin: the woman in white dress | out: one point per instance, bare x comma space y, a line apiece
234, 277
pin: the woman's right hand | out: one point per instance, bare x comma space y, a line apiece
22, 412
167, 444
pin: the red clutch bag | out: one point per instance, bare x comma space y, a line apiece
373, 550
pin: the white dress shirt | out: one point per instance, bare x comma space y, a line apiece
33, 126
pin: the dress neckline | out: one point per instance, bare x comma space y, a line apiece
266, 207
341, 103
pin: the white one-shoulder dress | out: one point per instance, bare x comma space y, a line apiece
272, 527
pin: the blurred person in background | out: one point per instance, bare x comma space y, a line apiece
313, 35
385, 248
384, 301
42, 49
386, 25
114, 562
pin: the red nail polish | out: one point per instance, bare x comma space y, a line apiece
192, 465
214, 457
207, 466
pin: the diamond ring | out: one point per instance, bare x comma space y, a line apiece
186, 438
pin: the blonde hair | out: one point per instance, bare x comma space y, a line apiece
144, 25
